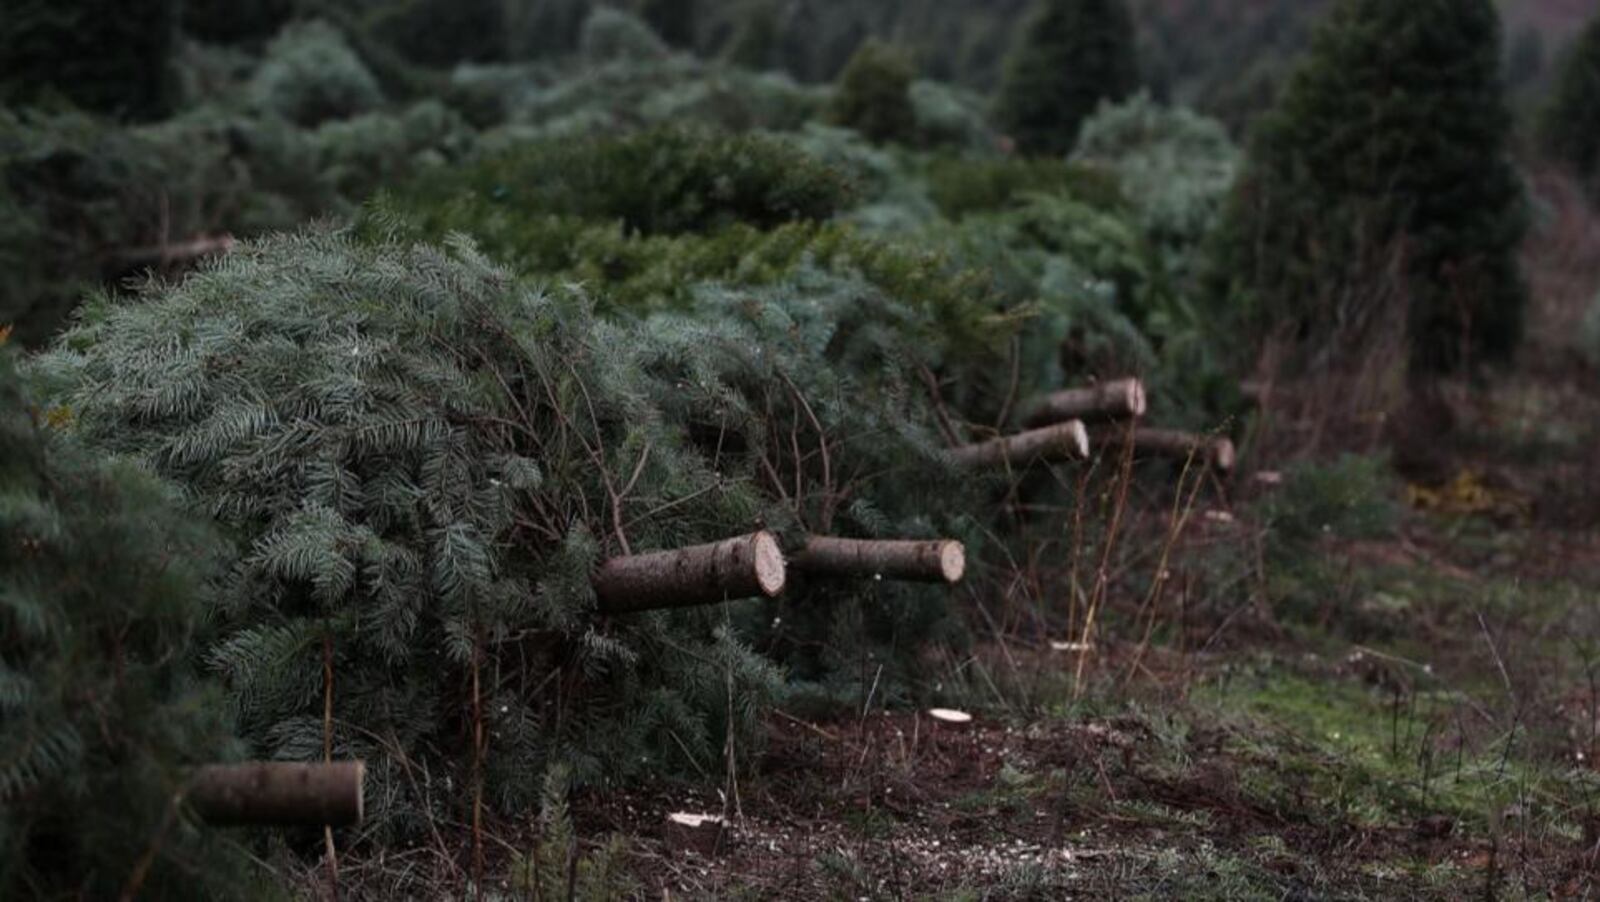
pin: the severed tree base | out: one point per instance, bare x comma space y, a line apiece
940, 561
279, 793
746, 567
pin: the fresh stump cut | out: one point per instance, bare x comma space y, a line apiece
1063, 441
1119, 399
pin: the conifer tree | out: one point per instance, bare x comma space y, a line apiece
103, 578
673, 20
1389, 143
874, 94
1571, 124
1071, 55
106, 56
423, 461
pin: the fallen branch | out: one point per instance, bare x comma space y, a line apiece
1063, 441
942, 561
1257, 392
1115, 400
745, 567
279, 793
182, 252
1213, 451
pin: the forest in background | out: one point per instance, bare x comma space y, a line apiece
353, 347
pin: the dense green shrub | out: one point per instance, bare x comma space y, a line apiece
1174, 166
310, 75
103, 578
1350, 498
106, 56
947, 115
612, 35
659, 181
678, 90
1071, 55
962, 187
1322, 205
873, 95
1570, 129
77, 192
355, 157
422, 460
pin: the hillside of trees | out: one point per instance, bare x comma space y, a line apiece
1028, 449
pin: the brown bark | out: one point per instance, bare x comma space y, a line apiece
1115, 400
1063, 441
744, 567
279, 793
942, 561
1214, 451
181, 252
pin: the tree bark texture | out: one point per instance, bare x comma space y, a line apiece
940, 561
1063, 441
1213, 451
744, 567
1116, 400
279, 793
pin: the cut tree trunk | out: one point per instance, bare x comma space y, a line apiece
1214, 451
279, 793
745, 567
1116, 400
181, 252
942, 561
1063, 441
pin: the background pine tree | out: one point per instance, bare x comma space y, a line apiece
1070, 55
1389, 143
1570, 127
873, 95
108, 56
102, 589
673, 20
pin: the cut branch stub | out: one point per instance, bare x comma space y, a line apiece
745, 567
940, 561
1115, 400
279, 793
1214, 451
1063, 441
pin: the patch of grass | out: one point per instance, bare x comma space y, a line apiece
1336, 753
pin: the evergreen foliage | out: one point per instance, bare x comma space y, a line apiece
1570, 129
1174, 166
659, 181
1322, 203
310, 75
103, 580
1071, 55
678, 90
873, 95
612, 35
105, 56
76, 190
422, 461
